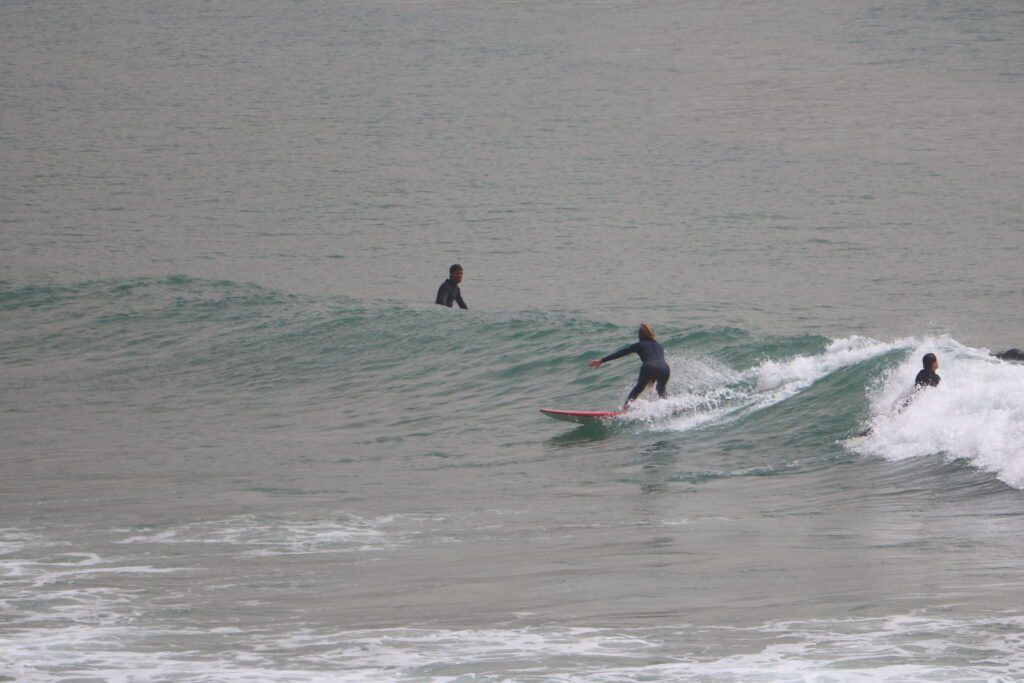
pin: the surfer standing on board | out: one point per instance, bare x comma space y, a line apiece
449, 292
654, 369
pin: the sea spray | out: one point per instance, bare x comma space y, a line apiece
976, 414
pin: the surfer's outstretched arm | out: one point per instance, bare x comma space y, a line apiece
624, 351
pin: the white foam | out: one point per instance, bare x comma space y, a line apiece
975, 414
893, 648
782, 379
706, 392
266, 536
98, 634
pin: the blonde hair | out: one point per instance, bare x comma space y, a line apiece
646, 332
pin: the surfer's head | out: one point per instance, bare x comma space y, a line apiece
455, 273
646, 332
930, 362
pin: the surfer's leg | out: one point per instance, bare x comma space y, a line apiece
642, 382
637, 390
661, 376
648, 376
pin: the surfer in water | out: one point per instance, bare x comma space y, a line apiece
654, 369
927, 376
449, 292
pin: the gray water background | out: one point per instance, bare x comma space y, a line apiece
836, 166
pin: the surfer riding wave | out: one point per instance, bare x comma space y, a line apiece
654, 369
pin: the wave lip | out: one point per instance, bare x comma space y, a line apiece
705, 392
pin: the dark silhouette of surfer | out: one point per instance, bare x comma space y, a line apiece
449, 293
654, 369
926, 377
1010, 354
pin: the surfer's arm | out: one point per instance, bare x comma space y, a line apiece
617, 354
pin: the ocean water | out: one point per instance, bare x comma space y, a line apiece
241, 444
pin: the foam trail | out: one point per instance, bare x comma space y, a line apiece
713, 394
702, 391
975, 414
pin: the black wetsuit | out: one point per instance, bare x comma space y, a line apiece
654, 368
449, 293
924, 379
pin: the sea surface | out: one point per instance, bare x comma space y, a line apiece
239, 442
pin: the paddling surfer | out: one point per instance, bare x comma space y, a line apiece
654, 369
927, 376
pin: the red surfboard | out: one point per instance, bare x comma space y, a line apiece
581, 416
